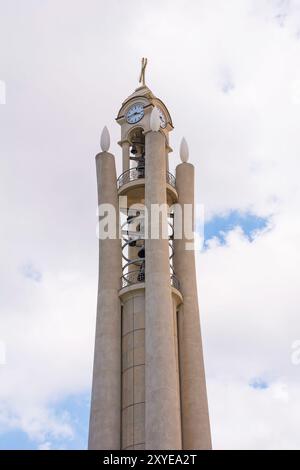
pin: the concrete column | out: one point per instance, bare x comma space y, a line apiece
105, 429
125, 155
133, 370
194, 406
163, 429
167, 159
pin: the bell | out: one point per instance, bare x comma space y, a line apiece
141, 253
133, 150
141, 275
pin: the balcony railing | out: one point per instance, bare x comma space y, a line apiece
175, 282
130, 175
135, 277
132, 277
134, 174
171, 179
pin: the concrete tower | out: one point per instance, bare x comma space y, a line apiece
149, 388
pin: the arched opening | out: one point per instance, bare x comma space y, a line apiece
137, 150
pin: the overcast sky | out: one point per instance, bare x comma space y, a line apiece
229, 72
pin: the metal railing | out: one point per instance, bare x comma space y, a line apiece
135, 277
130, 175
171, 179
132, 277
134, 174
175, 282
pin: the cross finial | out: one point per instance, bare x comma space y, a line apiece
143, 70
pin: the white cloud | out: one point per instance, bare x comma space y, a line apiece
48, 331
2, 353
67, 78
249, 298
45, 446
253, 419
37, 421
2, 92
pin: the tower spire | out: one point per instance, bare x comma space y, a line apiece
149, 388
143, 71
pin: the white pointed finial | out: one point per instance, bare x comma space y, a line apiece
105, 139
155, 120
184, 150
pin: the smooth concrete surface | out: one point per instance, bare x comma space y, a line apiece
105, 421
194, 406
125, 155
133, 370
163, 428
149, 388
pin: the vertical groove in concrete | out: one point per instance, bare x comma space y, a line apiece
133, 370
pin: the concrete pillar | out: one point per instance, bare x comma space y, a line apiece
125, 155
167, 159
133, 370
194, 406
105, 430
163, 429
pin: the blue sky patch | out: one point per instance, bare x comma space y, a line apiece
30, 272
76, 408
227, 86
219, 226
258, 384
15, 439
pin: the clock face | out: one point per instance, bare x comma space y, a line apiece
135, 113
163, 120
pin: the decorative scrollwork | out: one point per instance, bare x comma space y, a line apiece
133, 240
130, 175
135, 277
175, 282
171, 180
131, 278
136, 173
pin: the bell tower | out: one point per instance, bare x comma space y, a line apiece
149, 388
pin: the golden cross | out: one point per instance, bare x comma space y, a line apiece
142, 75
